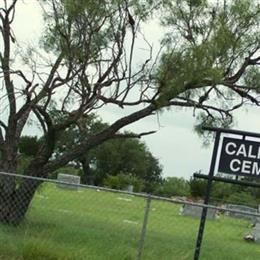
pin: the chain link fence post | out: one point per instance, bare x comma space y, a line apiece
144, 228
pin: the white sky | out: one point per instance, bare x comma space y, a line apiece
177, 146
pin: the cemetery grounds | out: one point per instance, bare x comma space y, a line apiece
94, 224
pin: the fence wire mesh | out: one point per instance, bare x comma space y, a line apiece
70, 221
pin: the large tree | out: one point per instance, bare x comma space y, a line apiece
123, 155
85, 62
129, 157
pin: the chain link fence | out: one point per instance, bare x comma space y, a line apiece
60, 220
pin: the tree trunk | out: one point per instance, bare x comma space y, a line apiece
87, 177
14, 203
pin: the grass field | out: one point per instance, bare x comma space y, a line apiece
90, 224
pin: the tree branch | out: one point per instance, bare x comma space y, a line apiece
97, 139
133, 135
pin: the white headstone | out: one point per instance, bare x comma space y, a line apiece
241, 215
129, 188
195, 211
256, 233
70, 179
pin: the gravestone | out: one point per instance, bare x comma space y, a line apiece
129, 188
69, 179
257, 219
253, 219
256, 233
195, 211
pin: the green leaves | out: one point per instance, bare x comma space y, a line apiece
215, 120
84, 29
207, 46
193, 68
252, 78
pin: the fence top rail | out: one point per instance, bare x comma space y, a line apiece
143, 195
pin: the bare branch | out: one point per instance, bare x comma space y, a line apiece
248, 61
133, 135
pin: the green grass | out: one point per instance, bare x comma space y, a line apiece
90, 224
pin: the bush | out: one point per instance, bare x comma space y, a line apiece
244, 198
23, 163
173, 186
121, 181
198, 188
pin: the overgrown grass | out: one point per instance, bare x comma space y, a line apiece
90, 224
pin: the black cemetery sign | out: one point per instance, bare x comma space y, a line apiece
236, 155
240, 157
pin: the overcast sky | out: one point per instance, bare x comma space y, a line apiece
177, 146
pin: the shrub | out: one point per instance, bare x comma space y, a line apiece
244, 198
121, 181
173, 186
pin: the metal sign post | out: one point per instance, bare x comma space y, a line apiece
206, 200
238, 157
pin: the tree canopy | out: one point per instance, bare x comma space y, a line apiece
211, 61
129, 157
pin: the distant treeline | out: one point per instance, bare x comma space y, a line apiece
221, 192
119, 164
